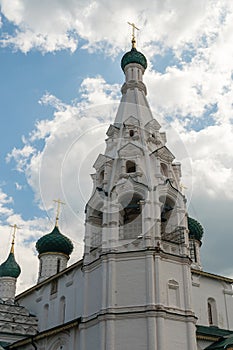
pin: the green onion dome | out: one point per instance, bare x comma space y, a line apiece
133, 56
10, 268
195, 229
54, 242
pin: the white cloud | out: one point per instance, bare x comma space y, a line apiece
104, 27
18, 186
5, 200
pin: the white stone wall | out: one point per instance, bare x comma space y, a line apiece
50, 264
46, 304
7, 288
204, 288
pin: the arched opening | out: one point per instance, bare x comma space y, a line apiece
131, 133
130, 217
170, 229
130, 166
164, 169
212, 312
96, 217
101, 178
166, 213
95, 221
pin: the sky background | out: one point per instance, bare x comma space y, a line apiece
60, 80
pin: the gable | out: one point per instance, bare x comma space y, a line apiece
164, 154
132, 121
153, 124
101, 160
130, 150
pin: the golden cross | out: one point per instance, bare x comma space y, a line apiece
15, 227
133, 34
59, 202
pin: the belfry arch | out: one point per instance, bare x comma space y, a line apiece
130, 218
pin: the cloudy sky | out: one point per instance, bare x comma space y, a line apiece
60, 81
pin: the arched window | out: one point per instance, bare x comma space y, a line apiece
212, 312
130, 218
130, 166
131, 133
46, 316
58, 265
62, 309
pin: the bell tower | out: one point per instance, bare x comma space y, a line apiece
137, 265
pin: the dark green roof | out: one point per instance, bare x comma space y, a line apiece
212, 331
225, 342
195, 229
10, 268
54, 242
133, 56
3, 344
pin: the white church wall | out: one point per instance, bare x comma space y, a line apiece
186, 340
93, 290
131, 333
130, 281
56, 301
174, 287
205, 288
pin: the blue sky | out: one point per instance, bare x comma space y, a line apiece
59, 84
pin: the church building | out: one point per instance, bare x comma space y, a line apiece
140, 284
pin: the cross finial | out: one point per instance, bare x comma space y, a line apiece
15, 227
133, 34
59, 202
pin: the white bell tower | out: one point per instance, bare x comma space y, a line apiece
137, 268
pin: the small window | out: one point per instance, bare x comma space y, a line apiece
153, 135
131, 133
54, 285
58, 265
101, 177
212, 312
130, 166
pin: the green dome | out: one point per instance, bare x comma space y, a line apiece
10, 268
195, 229
133, 56
54, 242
